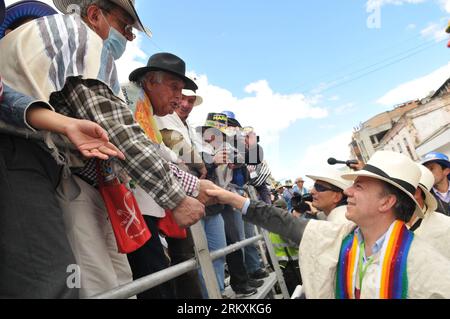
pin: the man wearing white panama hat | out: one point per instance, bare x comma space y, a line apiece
434, 227
180, 136
328, 194
377, 259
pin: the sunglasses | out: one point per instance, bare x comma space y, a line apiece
321, 188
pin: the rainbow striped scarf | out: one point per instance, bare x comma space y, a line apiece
392, 277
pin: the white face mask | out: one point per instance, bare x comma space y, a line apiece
116, 43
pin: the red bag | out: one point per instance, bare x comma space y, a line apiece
169, 227
129, 226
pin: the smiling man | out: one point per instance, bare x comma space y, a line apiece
387, 260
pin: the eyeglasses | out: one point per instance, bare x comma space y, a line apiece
125, 28
321, 188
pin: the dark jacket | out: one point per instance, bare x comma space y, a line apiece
443, 207
276, 220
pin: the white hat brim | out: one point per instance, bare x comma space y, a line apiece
66, 5
430, 200
329, 181
363, 173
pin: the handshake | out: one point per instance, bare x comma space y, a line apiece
191, 210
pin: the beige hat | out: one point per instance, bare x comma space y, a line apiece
67, 6
288, 183
393, 168
426, 184
332, 177
198, 100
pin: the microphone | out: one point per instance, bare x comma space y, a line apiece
333, 161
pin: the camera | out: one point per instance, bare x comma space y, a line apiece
299, 202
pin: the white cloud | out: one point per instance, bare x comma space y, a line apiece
373, 4
345, 109
267, 111
316, 156
434, 31
334, 98
416, 89
132, 59
445, 4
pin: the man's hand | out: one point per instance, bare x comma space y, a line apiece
357, 167
225, 197
188, 212
203, 197
91, 140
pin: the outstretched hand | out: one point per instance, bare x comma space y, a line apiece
91, 140
225, 197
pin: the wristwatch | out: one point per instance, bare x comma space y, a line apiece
196, 190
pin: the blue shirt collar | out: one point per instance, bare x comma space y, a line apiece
378, 244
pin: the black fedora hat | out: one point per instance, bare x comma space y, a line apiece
166, 62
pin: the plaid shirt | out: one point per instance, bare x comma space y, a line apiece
92, 100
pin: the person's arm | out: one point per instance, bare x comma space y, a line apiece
273, 219
93, 100
26, 112
89, 138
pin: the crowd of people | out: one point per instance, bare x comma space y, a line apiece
376, 232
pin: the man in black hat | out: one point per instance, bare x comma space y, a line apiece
92, 92
157, 90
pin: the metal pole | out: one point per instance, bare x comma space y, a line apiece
148, 282
276, 265
205, 261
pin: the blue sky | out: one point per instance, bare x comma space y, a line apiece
303, 73
296, 48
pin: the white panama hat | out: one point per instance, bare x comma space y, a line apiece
331, 176
395, 169
198, 100
67, 6
426, 184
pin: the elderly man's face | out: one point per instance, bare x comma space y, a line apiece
324, 197
186, 106
165, 96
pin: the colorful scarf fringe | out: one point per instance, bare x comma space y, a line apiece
393, 279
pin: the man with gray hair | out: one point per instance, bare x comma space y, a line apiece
81, 81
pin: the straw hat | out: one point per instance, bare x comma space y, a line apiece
66, 6
331, 176
395, 169
198, 100
426, 184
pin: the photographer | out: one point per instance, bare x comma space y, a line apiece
302, 206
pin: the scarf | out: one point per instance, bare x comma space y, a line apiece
39, 59
142, 108
392, 274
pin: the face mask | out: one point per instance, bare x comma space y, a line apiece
116, 43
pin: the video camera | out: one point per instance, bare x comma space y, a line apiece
299, 202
